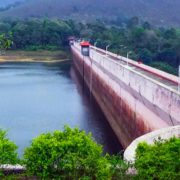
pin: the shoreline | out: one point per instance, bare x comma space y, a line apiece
41, 56
33, 61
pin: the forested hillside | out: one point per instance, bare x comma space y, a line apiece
4, 3
159, 12
158, 47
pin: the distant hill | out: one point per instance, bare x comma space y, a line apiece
4, 3
159, 12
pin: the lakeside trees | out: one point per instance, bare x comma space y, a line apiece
68, 154
5, 43
8, 154
73, 154
158, 161
157, 47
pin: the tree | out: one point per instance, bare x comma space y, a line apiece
167, 56
68, 154
8, 150
4, 43
146, 25
170, 34
158, 161
71, 154
147, 42
145, 55
164, 67
133, 22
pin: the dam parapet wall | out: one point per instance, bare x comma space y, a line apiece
134, 100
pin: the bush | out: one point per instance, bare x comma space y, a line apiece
158, 161
8, 154
164, 67
47, 47
118, 167
70, 154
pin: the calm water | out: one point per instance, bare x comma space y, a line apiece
37, 98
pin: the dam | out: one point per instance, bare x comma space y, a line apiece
135, 98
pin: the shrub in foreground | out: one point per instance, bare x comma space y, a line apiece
159, 161
68, 154
8, 150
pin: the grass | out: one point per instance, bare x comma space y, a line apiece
34, 56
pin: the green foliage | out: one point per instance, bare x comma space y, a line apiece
38, 33
8, 154
145, 55
4, 42
164, 67
159, 161
118, 167
144, 41
69, 154
133, 22
47, 47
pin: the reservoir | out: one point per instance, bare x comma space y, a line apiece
37, 98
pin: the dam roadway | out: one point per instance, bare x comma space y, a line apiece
170, 81
135, 98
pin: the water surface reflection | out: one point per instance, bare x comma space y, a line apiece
37, 98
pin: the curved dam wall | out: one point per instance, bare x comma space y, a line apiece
133, 103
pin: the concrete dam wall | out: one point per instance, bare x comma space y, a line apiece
136, 99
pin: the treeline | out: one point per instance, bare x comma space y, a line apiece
36, 34
158, 47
